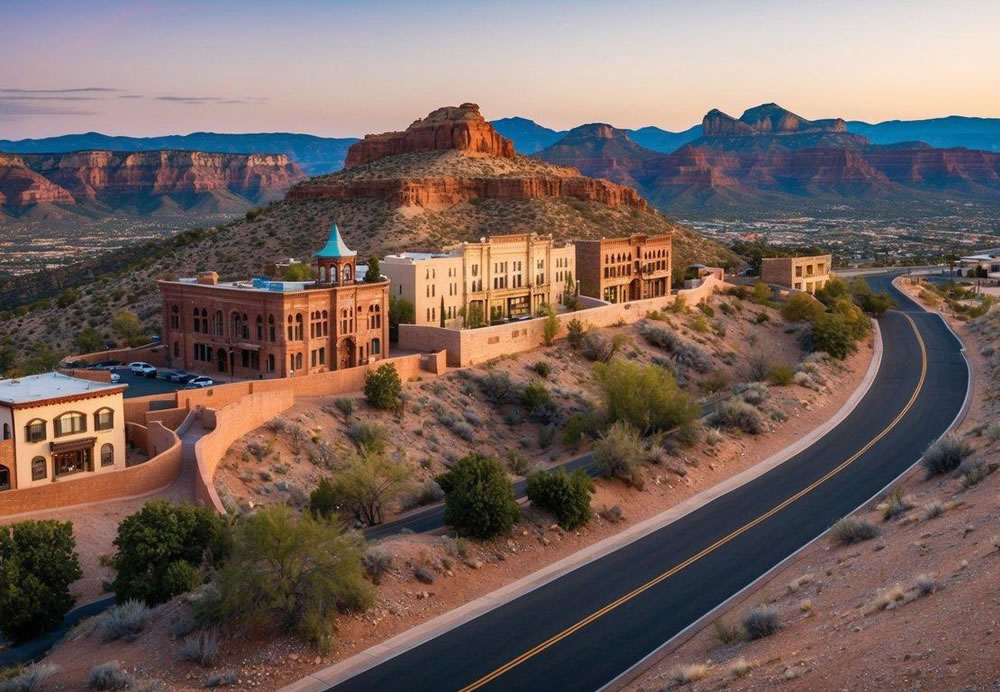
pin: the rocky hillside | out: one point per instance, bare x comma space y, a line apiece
771, 159
92, 182
419, 200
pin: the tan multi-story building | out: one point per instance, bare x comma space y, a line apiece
807, 274
622, 269
263, 328
498, 278
55, 427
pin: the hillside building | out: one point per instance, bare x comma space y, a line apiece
500, 277
807, 274
622, 269
263, 328
55, 427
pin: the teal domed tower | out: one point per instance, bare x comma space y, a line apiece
335, 263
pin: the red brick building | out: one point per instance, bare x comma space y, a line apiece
263, 328
623, 269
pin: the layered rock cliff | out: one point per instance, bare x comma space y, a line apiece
107, 177
460, 128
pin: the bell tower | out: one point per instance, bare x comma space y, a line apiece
335, 263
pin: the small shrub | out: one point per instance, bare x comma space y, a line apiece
850, 530
536, 396
589, 423
223, 678
565, 495
499, 389
896, 503
546, 436
109, 676
685, 675
781, 374
377, 562
762, 317
518, 463
260, 449
713, 437
992, 432
728, 634
201, 648
124, 621
760, 622
369, 483
971, 473
889, 597
932, 510
735, 414
479, 498
542, 369
32, 679
925, 585
740, 667
369, 437
946, 455
346, 406
755, 393
619, 454
574, 333
598, 348
694, 357
383, 387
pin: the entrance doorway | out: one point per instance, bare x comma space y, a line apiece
222, 359
75, 461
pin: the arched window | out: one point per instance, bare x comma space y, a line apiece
291, 333
260, 328
299, 329
220, 323
70, 423
245, 331
270, 328
175, 317
347, 274
298, 361
270, 362
104, 419
325, 317
39, 469
197, 322
235, 325
35, 431
107, 455
4, 478
376, 348
204, 321
6, 431
322, 273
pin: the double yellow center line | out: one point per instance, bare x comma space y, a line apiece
513, 663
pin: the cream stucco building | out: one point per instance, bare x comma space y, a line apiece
55, 427
499, 277
807, 274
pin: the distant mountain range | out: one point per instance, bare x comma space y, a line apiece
770, 159
315, 155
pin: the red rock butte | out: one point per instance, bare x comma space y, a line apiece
461, 128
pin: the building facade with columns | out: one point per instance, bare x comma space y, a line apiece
497, 278
263, 328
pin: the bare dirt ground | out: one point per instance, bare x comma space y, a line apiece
465, 570
915, 608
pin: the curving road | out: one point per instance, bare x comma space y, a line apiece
586, 628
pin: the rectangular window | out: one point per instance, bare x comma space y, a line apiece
104, 419
36, 431
70, 423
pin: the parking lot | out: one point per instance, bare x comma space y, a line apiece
144, 386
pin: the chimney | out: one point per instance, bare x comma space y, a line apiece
208, 278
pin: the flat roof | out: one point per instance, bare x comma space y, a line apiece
49, 385
411, 257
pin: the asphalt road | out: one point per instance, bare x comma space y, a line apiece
584, 629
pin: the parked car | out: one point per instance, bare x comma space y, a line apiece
200, 382
180, 376
143, 369
115, 378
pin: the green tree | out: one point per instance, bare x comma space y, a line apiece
833, 290
41, 358
565, 495
441, 323
374, 273
294, 572
38, 562
401, 311
801, 307
88, 340
323, 500
574, 333
474, 318
383, 387
298, 271
8, 359
645, 396
127, 327
161, 548
551, 326
479, 497
368, 484
761, 293
831, 333
68, 297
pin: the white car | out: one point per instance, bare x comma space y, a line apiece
200, 383
143, 369
115, 378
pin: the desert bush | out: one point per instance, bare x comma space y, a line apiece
565, 495
896, 503
945, 455
596, 347
377, 562
260, 449
542, 369
716, 382
536, 396
803, 379
551, 325
161, 548
346, 406
479, 498
780, 374
645, 396
801, 308
728, 634
368, 483
760, 622
498, 388
694, 357
740, 667
32, 679
850, 530
574, 333
992, 432
589, 423
124, 621
294, 571
660, 337
383, 387
754, 393
110, 676
619, 453
369, 437
932, 510
323, 499
201, 648
735, 414
518, 463
37, 564
925, 585
970, 473
686, 674
832, 334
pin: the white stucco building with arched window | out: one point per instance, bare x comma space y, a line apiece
54, 428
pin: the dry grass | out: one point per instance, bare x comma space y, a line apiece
685, 675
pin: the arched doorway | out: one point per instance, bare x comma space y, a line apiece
222, 359
4, 478
347, 353
635, 289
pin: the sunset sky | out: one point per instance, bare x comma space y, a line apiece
345, 69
